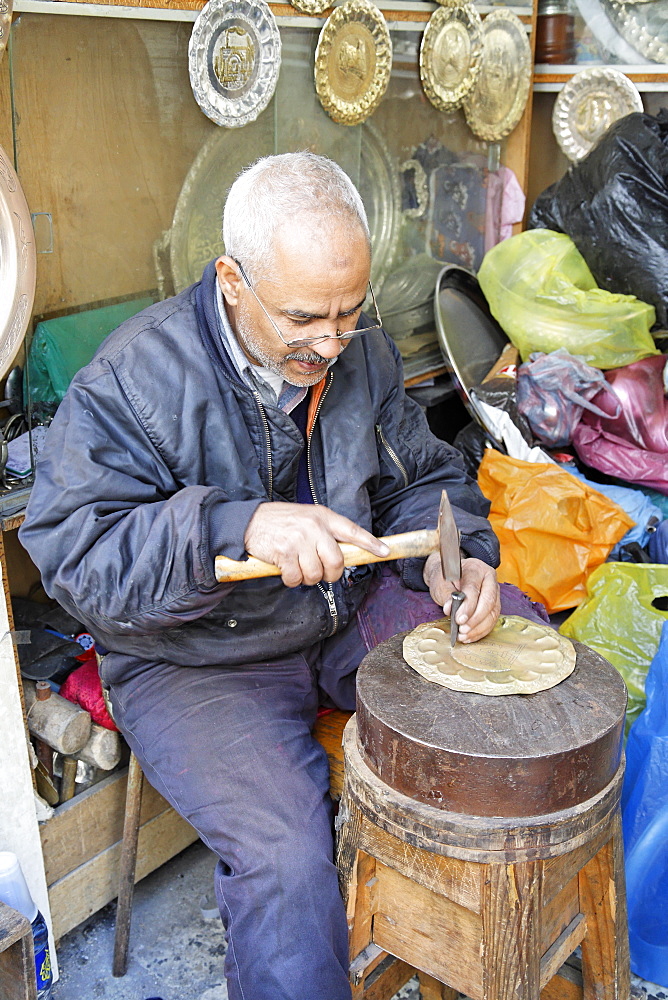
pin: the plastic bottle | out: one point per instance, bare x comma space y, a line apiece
15, 893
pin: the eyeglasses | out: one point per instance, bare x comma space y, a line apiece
310, 341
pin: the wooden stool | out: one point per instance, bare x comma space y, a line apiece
328, 731
17, 956
479, 838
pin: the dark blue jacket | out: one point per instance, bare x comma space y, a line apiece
159, 455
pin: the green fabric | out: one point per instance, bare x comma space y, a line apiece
60, 347
619, 620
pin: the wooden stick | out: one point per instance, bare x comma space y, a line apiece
68, 780
126, 882
409, 545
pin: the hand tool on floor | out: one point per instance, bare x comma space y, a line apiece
451, 560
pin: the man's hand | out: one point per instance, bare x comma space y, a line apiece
480, 611
302, 540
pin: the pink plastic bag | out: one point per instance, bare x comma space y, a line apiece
634, 444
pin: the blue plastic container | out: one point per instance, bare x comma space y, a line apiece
645, 822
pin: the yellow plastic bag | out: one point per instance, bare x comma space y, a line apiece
541, 291
620, 621
553, 529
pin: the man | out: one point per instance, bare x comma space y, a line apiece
257, 412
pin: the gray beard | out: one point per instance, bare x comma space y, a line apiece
249, 343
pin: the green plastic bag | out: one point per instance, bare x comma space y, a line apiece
619, 621
60, 347
541, 291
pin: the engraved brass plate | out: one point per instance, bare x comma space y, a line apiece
450, 54
588, 105
642, 25
5, 23
497, 101
517, 657
17, 263
353, 59
234, 56
311, 6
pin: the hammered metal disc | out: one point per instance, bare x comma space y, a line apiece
588, 105
642, 25
497, 101
450, 54
17, 263
311, 6
5, 23
517, 657
234, 56
194, 237
353, 60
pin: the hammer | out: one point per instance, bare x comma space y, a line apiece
410, 544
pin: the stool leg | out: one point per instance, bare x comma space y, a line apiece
511, 941
126, 886
605, 947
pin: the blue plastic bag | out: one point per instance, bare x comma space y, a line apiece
636, 504
645, 824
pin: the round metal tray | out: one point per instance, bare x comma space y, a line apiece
17, 263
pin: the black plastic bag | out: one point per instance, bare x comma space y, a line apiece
614, 205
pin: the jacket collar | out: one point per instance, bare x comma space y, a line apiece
207, 321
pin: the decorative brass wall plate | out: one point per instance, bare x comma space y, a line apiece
517, 657
5, 23
642, 25
450, 54
234, 56
311, 6
17, 263
499, 96
588, 105
353, 60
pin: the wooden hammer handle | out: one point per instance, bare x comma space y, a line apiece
410, 544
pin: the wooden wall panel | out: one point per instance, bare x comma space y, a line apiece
107, 129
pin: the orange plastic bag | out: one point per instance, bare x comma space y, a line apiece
553, 529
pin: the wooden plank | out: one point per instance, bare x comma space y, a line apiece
511, 928
558, 913
431, 989
94, 884
458, 880
328, 731
561, 988
389, 981
428, 931
557, 872
560, 950
518, 142
605, 964
362, 908
90, 823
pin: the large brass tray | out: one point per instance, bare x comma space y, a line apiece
195, 235
17, 264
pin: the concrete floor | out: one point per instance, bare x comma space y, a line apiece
177, 943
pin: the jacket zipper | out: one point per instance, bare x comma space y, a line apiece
328, 594
267, 437
392, 453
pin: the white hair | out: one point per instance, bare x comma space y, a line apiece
274, 191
